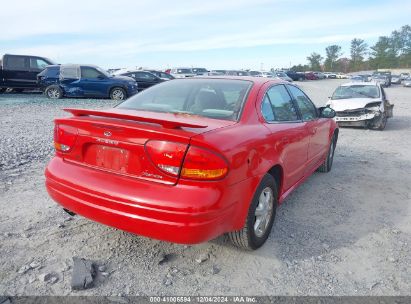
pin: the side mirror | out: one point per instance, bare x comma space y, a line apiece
326, 112
101, 77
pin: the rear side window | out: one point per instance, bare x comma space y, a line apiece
278, 105
307, 108
69, 72
18, 63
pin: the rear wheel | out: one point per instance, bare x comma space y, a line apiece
328, 162
54, 92
118, 94
260, 216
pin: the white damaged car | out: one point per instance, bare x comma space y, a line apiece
361, 105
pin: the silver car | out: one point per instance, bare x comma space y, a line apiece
361, 104
182, 72
407, 82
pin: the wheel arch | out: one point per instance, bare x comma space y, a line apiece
117, 85
277, 173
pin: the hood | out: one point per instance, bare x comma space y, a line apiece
351, 103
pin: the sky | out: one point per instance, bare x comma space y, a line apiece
215, 34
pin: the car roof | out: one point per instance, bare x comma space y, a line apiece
255, 80
360, 83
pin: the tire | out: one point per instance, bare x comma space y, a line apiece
54, 92
118, 93
252, 236
328, 162
2, 90
380, 123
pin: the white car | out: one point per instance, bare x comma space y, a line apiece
407, 82
267, 74
182, 72
361, 104
283, 76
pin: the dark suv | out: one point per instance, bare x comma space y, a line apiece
73, 80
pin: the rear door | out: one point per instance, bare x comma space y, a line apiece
288, 133
317, 128
16, 71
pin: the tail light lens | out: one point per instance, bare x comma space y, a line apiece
64, 137
167, 156
201, 164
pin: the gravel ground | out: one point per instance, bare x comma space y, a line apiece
347, 232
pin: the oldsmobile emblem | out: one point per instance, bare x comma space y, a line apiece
107, 133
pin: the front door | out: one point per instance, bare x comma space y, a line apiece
288, 133
93, 82
317, 128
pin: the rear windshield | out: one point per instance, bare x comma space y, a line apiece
214, 98
356, 91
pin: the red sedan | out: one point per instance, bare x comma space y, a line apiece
188, 160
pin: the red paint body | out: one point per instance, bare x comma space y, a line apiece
310, 76
129, 196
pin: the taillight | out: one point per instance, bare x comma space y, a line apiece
201, 164
167, 156
64, 137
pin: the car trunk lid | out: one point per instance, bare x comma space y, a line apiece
115, 140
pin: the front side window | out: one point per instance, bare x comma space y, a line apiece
214, 98
307, 108
90, 73
144, 76
38, 64
280, 103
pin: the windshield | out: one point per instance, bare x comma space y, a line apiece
281, 74
356, 91
214, 98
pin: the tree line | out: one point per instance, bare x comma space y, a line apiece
388, 52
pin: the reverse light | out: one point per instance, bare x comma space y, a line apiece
166, 155
64, 137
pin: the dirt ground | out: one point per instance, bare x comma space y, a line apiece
347, 232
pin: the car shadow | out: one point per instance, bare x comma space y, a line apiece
327, 212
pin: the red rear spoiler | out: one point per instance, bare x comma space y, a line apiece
166, 120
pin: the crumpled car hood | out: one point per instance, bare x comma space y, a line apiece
351, 103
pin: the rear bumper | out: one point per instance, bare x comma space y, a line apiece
186, 214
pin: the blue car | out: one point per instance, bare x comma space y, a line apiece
73, 80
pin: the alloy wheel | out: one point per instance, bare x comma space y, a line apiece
263, 212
